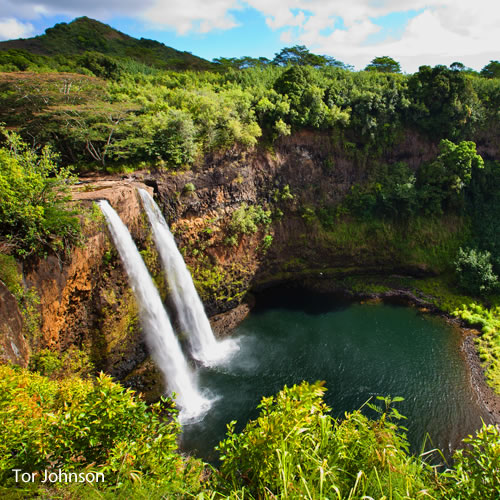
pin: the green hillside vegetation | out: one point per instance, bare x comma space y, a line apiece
91, 41
171, 119
134, 117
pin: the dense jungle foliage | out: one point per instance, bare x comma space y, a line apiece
126, 111
294, 449
108, 103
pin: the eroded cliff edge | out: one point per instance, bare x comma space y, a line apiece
85, 300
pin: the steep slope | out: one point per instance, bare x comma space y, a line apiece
85, 34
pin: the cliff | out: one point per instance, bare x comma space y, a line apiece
85, 300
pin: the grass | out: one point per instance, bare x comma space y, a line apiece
488, 343
428, 243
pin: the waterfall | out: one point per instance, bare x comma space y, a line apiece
163, 344
192, 317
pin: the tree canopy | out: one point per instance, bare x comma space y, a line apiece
384, 64
491, 70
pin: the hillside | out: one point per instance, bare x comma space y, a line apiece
84, 35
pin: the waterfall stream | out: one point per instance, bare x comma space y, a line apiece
162, 342
192, 318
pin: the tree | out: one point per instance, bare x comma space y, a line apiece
335, 63
384, 64
491, 70
92, 129
457, 66
444, 101
244, 62
307, 105
101, 65
299, 55
441, 182
33, 190
474, 271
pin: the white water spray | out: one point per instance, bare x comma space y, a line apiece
163, 344
192, 318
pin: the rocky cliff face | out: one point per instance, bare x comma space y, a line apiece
304, 173
13, 345
85, 300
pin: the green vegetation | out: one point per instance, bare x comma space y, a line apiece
488, 343
491, 70
284, 195
384, 64
98, 48
27, 299
57, 365
475, 271
189, 188
247, 219
108, 102
439, 186
33, 214
137, 115
267, 241
93, 425
10, 276
475, 475
293, 449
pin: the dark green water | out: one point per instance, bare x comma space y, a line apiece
359, 350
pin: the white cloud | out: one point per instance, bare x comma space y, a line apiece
11, 28
182, 16
445, 31
191, 15
286, 36
34, 9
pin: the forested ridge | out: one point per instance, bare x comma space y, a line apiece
84, 98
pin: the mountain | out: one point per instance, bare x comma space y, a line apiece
88, 35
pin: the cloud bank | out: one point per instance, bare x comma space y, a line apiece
12, 28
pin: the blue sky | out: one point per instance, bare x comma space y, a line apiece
413, 32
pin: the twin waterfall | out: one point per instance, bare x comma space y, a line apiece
162, 342
192, 317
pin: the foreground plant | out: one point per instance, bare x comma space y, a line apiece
295, 449
87, 426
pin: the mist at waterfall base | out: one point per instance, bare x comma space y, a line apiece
162, 342
360, 350
192, 318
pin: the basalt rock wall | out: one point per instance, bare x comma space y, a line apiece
85, 299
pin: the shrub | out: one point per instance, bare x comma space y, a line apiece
246, 219
474, 271
10, 276
267, 241
57, 365
476, 472
85, 425
488, 343
189, 188
295, 449
33, 190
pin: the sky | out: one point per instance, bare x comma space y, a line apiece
413, 32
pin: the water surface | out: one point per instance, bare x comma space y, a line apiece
359, 350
